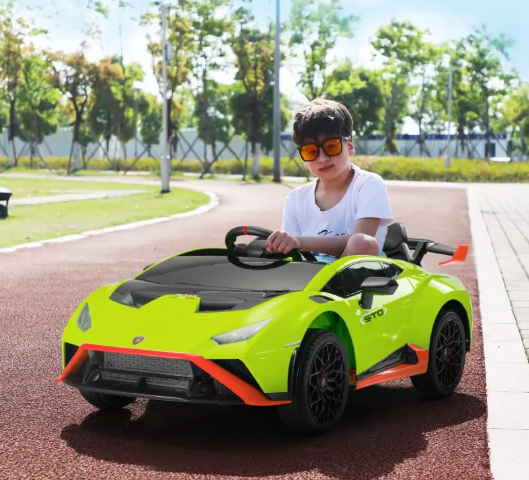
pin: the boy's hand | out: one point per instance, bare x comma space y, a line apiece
282, 242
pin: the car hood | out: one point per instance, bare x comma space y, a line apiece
170, 321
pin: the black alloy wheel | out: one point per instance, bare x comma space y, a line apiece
447, 357
321, 385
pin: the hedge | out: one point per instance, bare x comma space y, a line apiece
390, 168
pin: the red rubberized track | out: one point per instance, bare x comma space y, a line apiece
48, 431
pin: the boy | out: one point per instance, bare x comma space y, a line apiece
345, 210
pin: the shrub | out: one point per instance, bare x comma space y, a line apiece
390, 168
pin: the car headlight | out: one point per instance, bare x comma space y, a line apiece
240, 334
84, 320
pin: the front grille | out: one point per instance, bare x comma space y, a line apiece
174, 367
151, 377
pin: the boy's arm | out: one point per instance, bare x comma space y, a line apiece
336, 245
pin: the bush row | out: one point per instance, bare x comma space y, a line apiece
390, 168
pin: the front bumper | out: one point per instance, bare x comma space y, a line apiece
167, 376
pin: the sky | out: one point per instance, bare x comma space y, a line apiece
446, 20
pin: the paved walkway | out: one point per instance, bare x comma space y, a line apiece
72, 197
499, 217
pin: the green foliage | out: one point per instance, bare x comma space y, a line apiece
394, 168
252, 100
360, 90
37, 100
404, 52
151, 120
316, 25
461, 170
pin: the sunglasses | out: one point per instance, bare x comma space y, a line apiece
332, 147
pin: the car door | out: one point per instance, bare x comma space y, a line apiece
377, 332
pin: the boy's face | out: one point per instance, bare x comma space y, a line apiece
329, 167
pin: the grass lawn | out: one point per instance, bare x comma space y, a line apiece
36, 187
30, 223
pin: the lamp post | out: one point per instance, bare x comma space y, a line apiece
449, 94
165, 161
277, 101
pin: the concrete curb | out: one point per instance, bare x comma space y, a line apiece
213, 202
506, 366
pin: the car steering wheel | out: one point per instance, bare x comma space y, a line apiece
257, 248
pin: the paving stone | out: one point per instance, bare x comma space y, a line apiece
501, 331
507, 377
508, 410
524, 286
505, 351
523, 325
521, 314
520, 303
518, 295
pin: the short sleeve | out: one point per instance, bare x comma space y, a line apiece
290, 222
373, 200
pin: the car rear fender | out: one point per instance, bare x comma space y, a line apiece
434, 295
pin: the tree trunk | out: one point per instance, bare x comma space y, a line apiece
389, 123
11, 152
256, 160
256, 138
76, 150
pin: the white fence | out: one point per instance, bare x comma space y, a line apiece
188, 145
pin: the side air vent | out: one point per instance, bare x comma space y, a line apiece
320, 299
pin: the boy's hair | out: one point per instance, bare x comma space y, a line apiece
321, 116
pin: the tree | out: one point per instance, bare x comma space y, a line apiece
73, 75
15, 32
402, 48
179, 27
488, 78
253, 99
36, 103
464, 98
316, 26
151, 120
210, 34
424, 110
102, 115
515, 115
360, 90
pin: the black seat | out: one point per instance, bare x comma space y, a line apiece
396, 243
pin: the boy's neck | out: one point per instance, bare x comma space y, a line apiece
339, 183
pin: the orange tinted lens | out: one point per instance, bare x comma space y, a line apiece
333, 146
309, 152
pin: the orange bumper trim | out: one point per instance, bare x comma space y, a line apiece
249, 394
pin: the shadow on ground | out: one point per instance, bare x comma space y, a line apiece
382, 427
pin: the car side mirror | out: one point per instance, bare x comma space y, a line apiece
376, 286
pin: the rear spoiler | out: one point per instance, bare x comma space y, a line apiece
423, 246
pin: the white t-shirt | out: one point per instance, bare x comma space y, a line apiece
366, 196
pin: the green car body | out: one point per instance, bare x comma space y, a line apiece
174, 323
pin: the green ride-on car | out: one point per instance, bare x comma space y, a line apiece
239, 325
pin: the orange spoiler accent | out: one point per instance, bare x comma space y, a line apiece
250, 395
459, 255
400, 371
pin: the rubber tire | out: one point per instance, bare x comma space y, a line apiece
296, 415
428, 383
105, 401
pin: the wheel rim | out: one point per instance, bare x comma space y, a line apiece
449, 353
327, 383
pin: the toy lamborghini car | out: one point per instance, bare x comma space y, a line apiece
238, 325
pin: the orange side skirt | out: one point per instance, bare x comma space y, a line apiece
400, 371
250, 395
